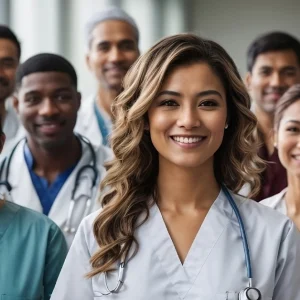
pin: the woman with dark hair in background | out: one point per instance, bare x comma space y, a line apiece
287, 141
172, 225
32, 251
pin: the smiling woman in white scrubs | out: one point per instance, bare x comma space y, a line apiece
168, 228
287, 140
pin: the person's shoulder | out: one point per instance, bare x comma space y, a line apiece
84, 115
104, 153
32, 218
85, 230
263, 217
88, 221
275, 200
87, 103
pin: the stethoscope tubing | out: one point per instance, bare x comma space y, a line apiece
245, 246
92, 167
243, 234
8, 160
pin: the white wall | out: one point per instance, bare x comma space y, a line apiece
235, 23
36, 23
57, 25
4, 12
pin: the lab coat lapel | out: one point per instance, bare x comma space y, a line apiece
87, 121
60, 207
23, 191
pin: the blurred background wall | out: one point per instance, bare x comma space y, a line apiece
57, 25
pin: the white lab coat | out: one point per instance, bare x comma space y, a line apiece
276, 202
87, 123
214, 268
24, 193
12, 128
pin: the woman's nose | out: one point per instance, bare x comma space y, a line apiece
188, 118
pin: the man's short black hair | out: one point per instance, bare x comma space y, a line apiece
273, 41
6, 33
45, 62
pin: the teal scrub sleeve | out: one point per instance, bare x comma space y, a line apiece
55, 257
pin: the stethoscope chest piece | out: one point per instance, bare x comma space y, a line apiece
250, 293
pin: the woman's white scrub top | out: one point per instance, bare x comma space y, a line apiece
214, 268
32, 252
276, 202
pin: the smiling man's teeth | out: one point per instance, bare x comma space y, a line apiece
186, 140
49, 125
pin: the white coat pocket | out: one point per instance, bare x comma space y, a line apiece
227, 296
232, 296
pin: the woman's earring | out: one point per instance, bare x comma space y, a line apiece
226, 126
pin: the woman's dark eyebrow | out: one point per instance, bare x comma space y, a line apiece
201, 94
293, 121
171, 93
209, 92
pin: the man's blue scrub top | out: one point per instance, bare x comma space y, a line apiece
47, 193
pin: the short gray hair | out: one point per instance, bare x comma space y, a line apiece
110, 13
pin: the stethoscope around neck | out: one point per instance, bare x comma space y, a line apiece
93, 167
249, 293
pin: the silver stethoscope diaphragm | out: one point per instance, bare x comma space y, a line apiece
250, 293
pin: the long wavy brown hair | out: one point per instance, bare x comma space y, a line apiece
131, 176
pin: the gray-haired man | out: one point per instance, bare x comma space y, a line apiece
112, 39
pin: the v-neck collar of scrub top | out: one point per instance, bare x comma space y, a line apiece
183, 276
7, 213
